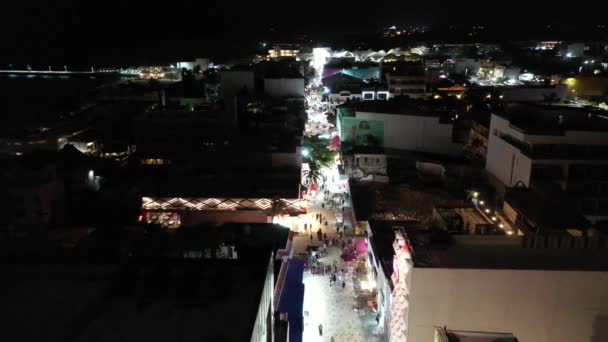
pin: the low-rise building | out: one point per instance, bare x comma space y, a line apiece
471, 283
532, 93
282, 52
405, 78
560, 144
395, 125
210, 283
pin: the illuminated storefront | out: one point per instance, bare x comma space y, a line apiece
193, 211
189, 203
401, 277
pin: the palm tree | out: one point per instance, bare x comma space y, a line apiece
319, 151
314, 174
277, 206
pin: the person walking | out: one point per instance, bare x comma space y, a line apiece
320, 329
343, 284
311, 236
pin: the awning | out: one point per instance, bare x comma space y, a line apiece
361, 246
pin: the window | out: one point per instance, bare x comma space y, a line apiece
603, 189
602, 207
588, 207
590, 189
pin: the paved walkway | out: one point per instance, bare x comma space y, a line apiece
332, 306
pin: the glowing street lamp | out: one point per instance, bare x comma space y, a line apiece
305, 152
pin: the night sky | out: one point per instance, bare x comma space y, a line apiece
120, 32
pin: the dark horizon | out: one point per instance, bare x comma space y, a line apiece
82, 34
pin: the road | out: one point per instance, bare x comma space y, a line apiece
343, 312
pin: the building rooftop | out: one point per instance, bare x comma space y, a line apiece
198, 301
565, 253
547, 208
401, 106
168, 298
556, 119
169, 181
446, 335
50, 302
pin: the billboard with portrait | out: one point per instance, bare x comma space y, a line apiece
362, 132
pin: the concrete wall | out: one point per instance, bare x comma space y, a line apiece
505, 161
261, 329
535, 306
415, 133
571, 137
280, 87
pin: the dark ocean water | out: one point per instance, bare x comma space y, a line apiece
32, 101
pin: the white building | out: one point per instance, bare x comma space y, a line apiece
481, 283
394, 128
534, 305
548, 143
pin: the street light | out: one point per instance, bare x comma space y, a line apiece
305, 152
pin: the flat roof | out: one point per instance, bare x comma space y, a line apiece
544, 119
46, 302
167, 298
399, 106
199, 301
547, 206
166, 181
502, 252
